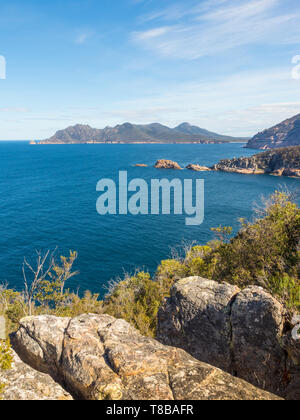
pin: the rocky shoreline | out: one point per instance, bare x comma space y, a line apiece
279, 162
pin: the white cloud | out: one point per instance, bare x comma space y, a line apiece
241, 104
153, 33
82, 38
217, 26
14, 110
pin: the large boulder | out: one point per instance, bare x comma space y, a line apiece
22, 383
292, 370
197, 319
97, 357
244, 332
257, 327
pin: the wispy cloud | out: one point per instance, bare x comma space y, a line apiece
82, 37
230, 105
214, 26
14, 110
240, 104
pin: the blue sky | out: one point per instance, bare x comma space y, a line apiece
225, 65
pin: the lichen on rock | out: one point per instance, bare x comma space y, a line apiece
105, 358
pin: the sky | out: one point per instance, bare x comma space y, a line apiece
230, 66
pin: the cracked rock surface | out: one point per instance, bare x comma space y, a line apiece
97, 357
241, 332
22, 383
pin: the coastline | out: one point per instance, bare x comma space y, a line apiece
41, 143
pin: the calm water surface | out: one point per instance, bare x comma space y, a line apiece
48, 199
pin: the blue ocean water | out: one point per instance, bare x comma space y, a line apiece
48, 198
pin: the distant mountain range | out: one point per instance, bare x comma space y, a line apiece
284, 134
132, 133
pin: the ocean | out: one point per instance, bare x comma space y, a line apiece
48, 199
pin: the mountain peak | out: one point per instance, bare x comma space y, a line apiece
287, 133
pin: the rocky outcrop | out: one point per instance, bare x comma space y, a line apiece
279, 162
22, 383
242, 332
197, 319
198, 168
97, 357
166, 164
284, 134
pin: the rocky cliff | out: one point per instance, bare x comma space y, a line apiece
279, 162
96, 357
246, 333
284, 134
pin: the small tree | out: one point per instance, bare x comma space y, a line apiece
44, 265
51, 290
222, 233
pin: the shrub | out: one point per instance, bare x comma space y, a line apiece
6, 359
170, 271
264, 253
75, 306
136, 300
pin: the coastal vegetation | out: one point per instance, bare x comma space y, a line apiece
5, 360
265, 252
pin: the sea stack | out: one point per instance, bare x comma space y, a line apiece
167, 164
198, 168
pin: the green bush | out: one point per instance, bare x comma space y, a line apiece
170, 271
264, 253
6, 359
136, 300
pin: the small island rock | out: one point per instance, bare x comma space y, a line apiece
198, 168
167, 164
